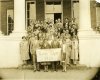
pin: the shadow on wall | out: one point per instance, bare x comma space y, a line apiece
97, 76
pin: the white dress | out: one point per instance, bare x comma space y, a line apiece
24, 50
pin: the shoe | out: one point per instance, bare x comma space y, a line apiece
38, 69
63, 71
56, 70
34, 70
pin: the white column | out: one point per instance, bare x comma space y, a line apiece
85, 34
19, 17
0, 21
84, 15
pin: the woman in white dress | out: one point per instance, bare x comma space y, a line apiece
24, 50
66, 52
75, 50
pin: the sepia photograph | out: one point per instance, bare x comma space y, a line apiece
49, 39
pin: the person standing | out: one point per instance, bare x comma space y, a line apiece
34, 45
66, 52
24, 50
45, 45
10, 24
75, 50
55, 44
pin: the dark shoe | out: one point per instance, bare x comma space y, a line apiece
38, 70
34, 70
63, 71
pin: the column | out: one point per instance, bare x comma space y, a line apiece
19, 17
0, 21
85, 34
84, 15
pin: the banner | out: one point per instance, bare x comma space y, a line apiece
46, 55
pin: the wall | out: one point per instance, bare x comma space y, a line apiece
93, 13
89, 49
98, 14
40, 10
5, 4
9, 52
66, 9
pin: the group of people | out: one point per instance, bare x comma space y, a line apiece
48, 35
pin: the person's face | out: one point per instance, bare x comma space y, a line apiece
41, 22
56, 21
74, 34
59, 20
36, 37
67, 31
74, 26
73, 19
66, 20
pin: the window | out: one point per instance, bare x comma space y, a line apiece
30, 12
53, 7
10, 21
98, 14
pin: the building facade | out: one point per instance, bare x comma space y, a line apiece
15, 16
43, 9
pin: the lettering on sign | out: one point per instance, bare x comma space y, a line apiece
44, 55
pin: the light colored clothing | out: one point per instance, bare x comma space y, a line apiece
33, 46
66, 51
74, 53
24, 50
55, 44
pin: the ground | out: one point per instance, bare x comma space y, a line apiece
72, 73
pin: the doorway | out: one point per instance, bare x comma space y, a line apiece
53, 16
53, 10
57, 16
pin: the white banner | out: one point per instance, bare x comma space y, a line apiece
44, 55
